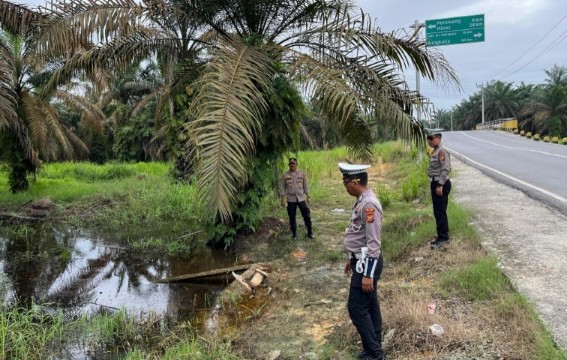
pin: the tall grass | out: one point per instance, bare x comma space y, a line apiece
65, 182
35, 334
116, 196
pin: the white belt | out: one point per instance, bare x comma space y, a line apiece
352, 255
360, 257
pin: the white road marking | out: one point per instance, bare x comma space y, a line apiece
512, 147
543, 191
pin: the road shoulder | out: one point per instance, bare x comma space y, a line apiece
527, 236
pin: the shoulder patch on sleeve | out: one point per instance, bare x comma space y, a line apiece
369, 215
442, 155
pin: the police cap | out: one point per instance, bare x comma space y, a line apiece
431, 133
352, 169
292, 161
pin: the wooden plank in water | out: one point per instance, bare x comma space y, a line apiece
205, 273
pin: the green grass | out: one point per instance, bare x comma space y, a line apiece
65, 182
482, 280
119, 197
34, 334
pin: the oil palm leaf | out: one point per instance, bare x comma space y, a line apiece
8, 102
92, 116
228, 110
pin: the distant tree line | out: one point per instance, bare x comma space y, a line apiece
540, 108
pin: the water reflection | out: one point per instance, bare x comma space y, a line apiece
79, 271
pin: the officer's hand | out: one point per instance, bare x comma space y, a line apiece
283, 203
347, 268
308, 200
439, 190
367, 284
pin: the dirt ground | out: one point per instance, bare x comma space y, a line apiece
301, 313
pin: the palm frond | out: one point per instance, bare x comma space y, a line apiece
72, 25
143, 103
228, 110
91, 114
8, 102
18, 19
76, 141
57, 142
338, 101
121, 53
34, 121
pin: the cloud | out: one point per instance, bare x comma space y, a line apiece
519, 12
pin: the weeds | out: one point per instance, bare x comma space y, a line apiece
482, 280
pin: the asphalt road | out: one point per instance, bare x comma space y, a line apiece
537, 168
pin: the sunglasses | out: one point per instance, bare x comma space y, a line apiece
346, 181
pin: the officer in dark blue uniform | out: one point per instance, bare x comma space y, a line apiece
438, 172
363, 242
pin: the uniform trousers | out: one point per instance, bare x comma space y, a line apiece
305, 212
440, 209
364, 311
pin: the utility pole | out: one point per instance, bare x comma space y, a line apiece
482, 97
417, 27
451, 120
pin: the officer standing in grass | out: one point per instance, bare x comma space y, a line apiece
438, 172
294, 192
363, 241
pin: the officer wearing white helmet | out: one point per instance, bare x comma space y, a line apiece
438, 172
363, 242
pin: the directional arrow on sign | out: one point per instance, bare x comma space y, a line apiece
478, 35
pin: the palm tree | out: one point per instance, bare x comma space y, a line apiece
442, 119
338, 58
548, 109
501, 101
30, 125
556, 76
244, 51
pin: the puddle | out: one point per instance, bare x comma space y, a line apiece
81, 272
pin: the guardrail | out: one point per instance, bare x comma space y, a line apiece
509, 124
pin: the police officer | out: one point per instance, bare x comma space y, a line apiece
363, 242
438, 172
295, 192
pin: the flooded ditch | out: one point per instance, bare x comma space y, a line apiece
81, 272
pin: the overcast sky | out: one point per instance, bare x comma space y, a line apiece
523, 38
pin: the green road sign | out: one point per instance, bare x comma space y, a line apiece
457, 30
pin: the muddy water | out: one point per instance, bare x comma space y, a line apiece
82, 272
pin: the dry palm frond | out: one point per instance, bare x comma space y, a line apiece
73, 24
34, 120
141, 105
8, 103
18, 19
91, 115
76, 141
56, 132
228, 110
